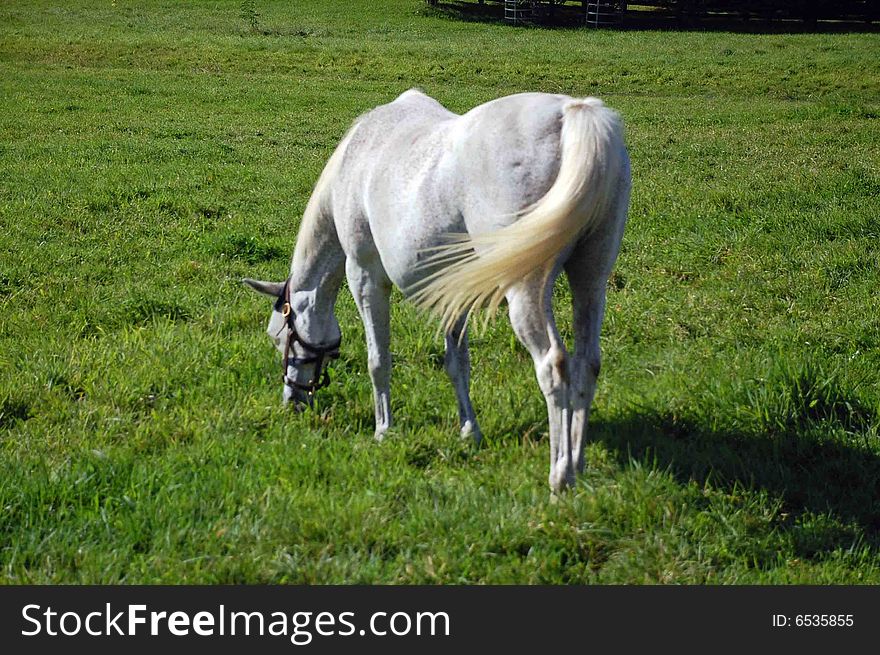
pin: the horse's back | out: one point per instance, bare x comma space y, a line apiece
416, 172
387, 203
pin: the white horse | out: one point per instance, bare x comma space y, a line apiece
461, 212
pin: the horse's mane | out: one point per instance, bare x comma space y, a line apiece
317, 206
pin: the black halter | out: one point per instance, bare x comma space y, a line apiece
317, 353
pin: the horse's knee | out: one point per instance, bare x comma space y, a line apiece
594, 366
585, 367
559, 363
590, 369
553, 370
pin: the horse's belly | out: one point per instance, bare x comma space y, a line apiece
405, 240
409, 217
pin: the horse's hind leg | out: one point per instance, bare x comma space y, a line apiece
588, 268
531, 316
589, 306
372, 290
458, 366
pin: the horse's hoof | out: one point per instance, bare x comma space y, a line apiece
561, 477
471, 430
295, 405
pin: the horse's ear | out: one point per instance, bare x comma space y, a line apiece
272, 289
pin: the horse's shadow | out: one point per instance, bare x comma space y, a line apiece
809, 475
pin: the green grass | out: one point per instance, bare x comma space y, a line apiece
153, 153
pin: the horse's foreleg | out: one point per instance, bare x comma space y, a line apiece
458, 366
533, 323
371, 291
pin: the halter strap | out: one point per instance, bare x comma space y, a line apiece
317, 353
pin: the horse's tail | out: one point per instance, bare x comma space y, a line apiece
478, 270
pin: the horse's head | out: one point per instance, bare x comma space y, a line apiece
303, 362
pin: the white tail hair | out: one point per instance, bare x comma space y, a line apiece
478, 270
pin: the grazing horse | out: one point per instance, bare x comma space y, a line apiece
461, 212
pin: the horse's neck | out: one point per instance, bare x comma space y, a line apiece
318, 259
315, 276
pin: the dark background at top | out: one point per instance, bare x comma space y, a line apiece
730, 15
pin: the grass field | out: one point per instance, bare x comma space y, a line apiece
153, 153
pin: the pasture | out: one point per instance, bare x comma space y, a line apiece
154, 153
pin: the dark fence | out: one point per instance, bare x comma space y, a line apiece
867, 10
807, 11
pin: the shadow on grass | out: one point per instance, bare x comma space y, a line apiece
805, 433
571, 16
809, 473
